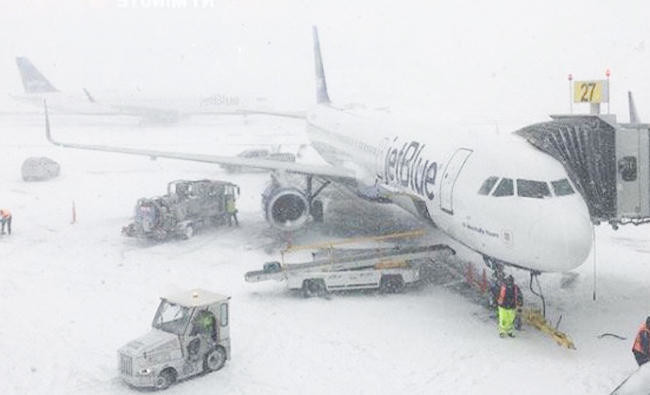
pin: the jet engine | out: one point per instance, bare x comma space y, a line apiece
285, 207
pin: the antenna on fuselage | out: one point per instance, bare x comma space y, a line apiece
634, 116
321, 84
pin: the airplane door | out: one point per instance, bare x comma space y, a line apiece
380, 159
453, 168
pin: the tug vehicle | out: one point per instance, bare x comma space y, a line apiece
187, 207
189, 335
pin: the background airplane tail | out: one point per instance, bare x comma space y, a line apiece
33, 80
321, 84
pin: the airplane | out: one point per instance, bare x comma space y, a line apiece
38, 88
498, 195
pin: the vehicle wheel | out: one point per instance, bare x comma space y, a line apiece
215, 359
166, 378
317, 210
188, 232
391, 284
313, 287
218, 220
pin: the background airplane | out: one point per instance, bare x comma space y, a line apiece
162, 110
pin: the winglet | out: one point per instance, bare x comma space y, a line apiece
48, 134
634, 116
33, 80
89, 96
321, 83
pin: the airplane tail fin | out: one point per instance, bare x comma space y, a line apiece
33, 80
321, 83
634, 116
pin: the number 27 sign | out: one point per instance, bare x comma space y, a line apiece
596, 91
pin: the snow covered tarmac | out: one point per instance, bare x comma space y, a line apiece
70, 295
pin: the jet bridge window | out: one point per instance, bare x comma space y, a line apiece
533, 189
562, 187
488, 185
505, 188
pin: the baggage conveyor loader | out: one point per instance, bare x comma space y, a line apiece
388, 269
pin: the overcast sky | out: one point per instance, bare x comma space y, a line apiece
473, 59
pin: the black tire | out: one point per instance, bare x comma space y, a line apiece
214, 360
317, 211
166, 378
313, 287
391, 284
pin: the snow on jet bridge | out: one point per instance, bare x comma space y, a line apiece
500, 197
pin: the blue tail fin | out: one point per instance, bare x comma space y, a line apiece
321, 83
33, 80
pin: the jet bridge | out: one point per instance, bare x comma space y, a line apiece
608, 162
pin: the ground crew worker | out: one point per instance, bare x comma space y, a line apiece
509, 299
231, 210
496, 282
5, 218
206, 322
641, 348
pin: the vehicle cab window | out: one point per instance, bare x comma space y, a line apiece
533, 189
505, 188
562, 187
223, 315
487, 185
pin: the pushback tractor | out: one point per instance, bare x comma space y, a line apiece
189, 335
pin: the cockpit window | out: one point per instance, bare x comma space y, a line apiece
562, 187
487, 185
505, 188
533, 189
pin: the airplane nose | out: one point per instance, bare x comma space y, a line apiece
563, 241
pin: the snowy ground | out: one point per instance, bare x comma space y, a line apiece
70, 295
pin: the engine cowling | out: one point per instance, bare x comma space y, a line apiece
285, 208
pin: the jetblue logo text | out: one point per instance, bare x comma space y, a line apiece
405, 166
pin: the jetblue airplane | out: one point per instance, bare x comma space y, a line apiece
38, 88
500, 197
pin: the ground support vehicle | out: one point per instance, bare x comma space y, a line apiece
388, 269
187, 207
189, 335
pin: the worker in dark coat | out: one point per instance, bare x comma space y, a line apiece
641, 347
509, 299
5, 218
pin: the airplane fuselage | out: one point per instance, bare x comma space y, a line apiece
530, 216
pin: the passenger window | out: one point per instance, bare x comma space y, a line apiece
533, 189
562, 187
505, 188
487, 185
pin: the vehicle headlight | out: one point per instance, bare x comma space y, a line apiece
144, 372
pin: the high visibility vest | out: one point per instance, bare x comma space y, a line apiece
638, 345
5, 214
230, 206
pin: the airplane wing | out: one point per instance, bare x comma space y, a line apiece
330, 172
